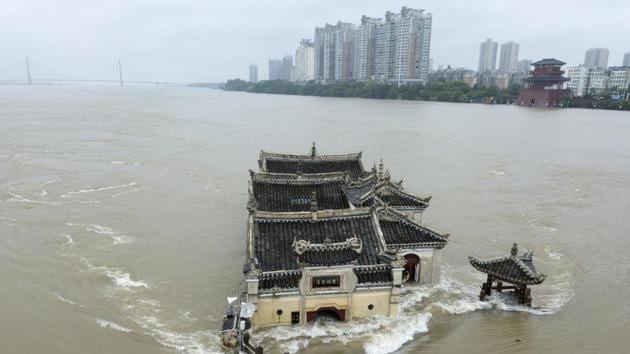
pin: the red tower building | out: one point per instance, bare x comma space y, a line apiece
545, 85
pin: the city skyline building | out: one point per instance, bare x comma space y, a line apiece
396, 48
324, 44
596, 58
384, 47
304, 61
412, 45
365, 48
287, 68
253, 73
524, 65
586, 81
508, 60
619, 78
578, 80
488, 55
344, 51
626, 59
275, 69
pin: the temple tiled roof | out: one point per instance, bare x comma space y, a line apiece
312, 163
274, 235
378, 275
281, 280
512, 269
286, 192
401, 232
373, 192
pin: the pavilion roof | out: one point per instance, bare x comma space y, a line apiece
549, 61
544, 78
512, 269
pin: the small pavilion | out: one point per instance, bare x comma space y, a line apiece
519, 271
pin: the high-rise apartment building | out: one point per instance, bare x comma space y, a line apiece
287, 68
275, 69
596, 58
508, 60
385, 46
253, 73
524, 66
344, 51
626, 59
365, 48
304, 61
396, 48
325, 53
412, 46
488, 55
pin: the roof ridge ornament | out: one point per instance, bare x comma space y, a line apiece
380, 170
313, 151
514, 250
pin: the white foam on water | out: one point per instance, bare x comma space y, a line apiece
381, 334
100, 189
120, 278
112, 325
50, 181
117, 237
43, 193
123, 279
497, 173
22, 199
145, 313
118, 163
555, 255
69, 302
69, 240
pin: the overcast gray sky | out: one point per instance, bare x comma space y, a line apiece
210, 40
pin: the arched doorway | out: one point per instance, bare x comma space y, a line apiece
326, 314
411, 272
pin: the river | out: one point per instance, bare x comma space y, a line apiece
122, 217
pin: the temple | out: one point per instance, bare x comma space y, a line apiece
325, 237
514, 269
545, 85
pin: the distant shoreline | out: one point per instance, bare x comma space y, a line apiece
454, 92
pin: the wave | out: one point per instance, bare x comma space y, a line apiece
69, 302
383, 334
69, 240
117, 237
555, 255
120, 278
100, 189
112, 325
22, 199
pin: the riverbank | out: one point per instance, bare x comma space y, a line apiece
434, 91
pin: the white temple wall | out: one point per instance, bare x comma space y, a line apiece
380, 301
267, 310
